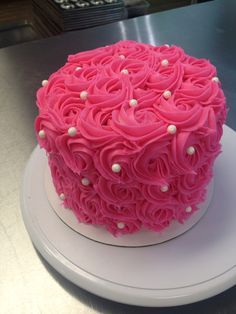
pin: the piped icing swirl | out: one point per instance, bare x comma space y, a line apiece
132, 132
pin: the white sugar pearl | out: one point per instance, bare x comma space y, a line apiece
62, 196
120, 225
188, 209
83, 95
166, 45
167, 94
72, 131
116, 168
190, 150
42, 134
133, 102
171, 129
122, 57
215, 79
124, 71
164, 62
44, 82
164, 188
78, 68
85, 181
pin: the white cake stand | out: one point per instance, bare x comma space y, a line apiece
196, 265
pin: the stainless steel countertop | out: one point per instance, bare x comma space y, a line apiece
27, 283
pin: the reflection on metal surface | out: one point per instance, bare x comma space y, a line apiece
137, 30
150, 30
123, 30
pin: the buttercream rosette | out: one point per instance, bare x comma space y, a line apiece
131, 139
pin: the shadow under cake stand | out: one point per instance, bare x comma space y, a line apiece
195, 265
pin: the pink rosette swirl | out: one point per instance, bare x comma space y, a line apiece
201, 99
152, 164
69, 69
45, 124
198, 71
166, 78
192, 187
77, 153
214, 132
113, 215
108, 93
140, 124
55, 86
128, 49
192, 182
90, 58
153, 194
97, 134
171, 53
119, 212
82, 79
182, 160
86, 205
94, 126
58, 175
64, 110
203, 95
136, 70
156, 217
129, 227
65, 181
187, 118
117, 193
116, 152
182, 214
145, 98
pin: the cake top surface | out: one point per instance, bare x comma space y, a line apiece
133, 94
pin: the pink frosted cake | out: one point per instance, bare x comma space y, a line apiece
131, 133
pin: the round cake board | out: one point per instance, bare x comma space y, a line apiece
196, 265
100, 234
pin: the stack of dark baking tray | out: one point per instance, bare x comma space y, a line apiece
55, 16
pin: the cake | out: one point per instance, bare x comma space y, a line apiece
131, 133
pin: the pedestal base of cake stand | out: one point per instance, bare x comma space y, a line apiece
196, 265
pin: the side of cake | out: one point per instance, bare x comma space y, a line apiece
131, 132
